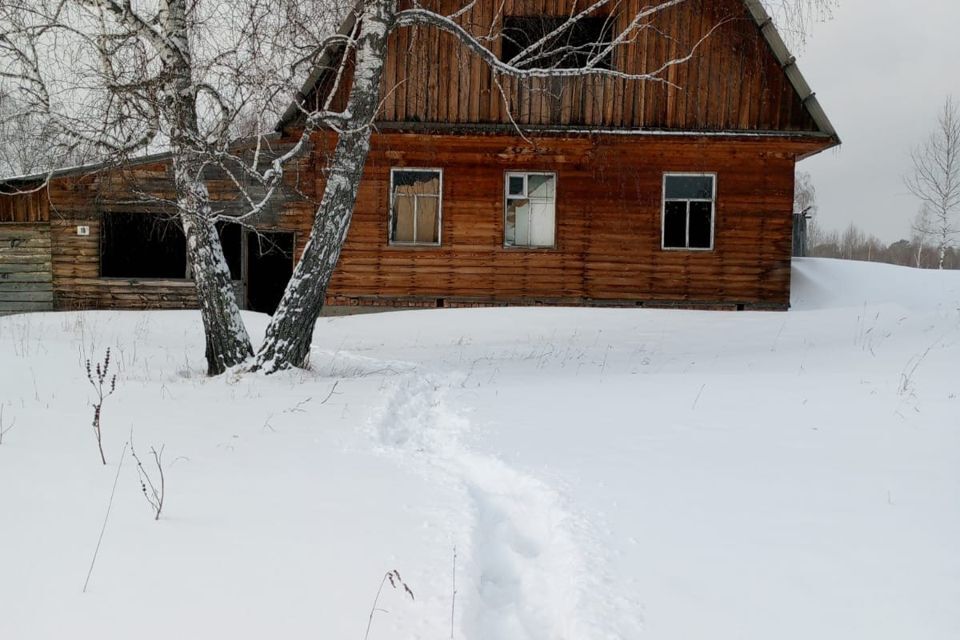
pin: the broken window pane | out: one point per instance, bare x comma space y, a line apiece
416, 214
540, 187
517, 228
530, 221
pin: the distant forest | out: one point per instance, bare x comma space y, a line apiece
854, 244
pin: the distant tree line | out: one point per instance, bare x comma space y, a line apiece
935, 232
854, 244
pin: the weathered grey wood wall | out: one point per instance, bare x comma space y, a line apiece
26, 268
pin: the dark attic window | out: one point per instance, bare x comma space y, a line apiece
572, 48
142, 245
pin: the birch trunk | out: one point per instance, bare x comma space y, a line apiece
290, 332
227, 341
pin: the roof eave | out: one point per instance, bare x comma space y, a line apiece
789, 63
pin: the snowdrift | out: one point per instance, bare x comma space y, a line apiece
533, 474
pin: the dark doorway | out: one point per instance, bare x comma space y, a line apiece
269, 267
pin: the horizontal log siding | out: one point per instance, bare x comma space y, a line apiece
608, 225
77, 281
79, 201
25, 268
732, 81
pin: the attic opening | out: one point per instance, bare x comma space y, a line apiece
566, 44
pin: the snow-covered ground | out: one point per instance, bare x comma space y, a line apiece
602, 474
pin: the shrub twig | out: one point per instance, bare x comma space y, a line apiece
154, 492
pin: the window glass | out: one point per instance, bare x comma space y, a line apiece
540, 187
675, 225
416, 206
516, 185
690, 187
700, 225
530, 221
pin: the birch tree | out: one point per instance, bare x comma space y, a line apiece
141, 66
110, 80
935, 181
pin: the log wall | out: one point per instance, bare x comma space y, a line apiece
608, 233
81, 200
25, 268
608, 225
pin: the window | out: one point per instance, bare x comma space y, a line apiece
142, 245
530, 212
688, 207
571, 48
415, 206
152, 245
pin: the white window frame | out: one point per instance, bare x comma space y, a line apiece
507, 197
390, 240
663, 211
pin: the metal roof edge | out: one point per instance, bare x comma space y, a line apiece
318, 68
789, 63
112, 163
90, 167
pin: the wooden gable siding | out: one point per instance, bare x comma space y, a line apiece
23, 205
732, 83
608, 216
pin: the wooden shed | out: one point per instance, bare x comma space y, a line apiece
482, 190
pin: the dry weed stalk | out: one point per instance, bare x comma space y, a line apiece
98, 377
395, 581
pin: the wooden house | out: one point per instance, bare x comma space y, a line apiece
487, 191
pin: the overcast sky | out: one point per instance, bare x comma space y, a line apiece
881, 70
